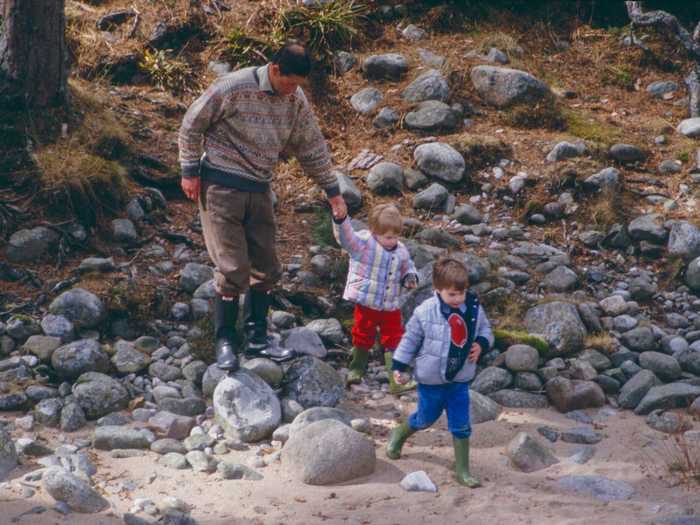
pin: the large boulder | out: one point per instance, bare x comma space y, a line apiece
665, 367
649, 227
8, 454
634, 390
567, 394
98, 394
434, 196
432, 116
528, 454
119, 437
491, 379
311, 382
85, 355
482, 408
304, 340
385, 178
84, 309
311, 415
73, 491
684, 240
504, 87
391, 66
440, 161
692, 275
30, 245
667, 396
560, 324
246, 407
690, 127
327, 452
430, 85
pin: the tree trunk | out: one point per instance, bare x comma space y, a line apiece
33, 68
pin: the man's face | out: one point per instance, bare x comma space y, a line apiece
284, 84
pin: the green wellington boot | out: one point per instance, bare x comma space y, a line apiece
462, 464
357, 367
398, 437
394, 387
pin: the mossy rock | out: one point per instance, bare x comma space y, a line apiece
507, 338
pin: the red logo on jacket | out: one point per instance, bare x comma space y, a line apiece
459, 330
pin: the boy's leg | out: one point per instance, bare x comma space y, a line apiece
459, 425
391, 330
364, 332
430, 406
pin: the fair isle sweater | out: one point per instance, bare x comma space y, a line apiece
375, 274
244, 128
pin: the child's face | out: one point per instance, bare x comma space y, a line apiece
388, 240
452, 296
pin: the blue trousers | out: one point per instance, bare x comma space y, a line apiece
433, 399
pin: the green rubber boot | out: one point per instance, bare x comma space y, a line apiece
357, 366
462, 464
394, 387
398, 437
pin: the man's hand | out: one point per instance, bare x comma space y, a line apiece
338, 207
191, 187
474, 353
401, 377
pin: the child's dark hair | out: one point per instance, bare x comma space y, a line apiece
293, 59
449, 272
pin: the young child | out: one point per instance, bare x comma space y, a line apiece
444, 338
379, 266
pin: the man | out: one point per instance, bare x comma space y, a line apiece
244, 123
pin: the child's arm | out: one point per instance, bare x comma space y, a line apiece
409, 274
484, 335
411, 341
346, 236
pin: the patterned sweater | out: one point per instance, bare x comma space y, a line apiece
375, 274
244, 128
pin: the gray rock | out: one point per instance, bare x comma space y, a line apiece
414, 179
566, 150
194, 371
582, 454
497, 56
598, 360
692, 275
690, 127
418, 482
640, 339
432, 116
199, 442
84, 309
72, 417
504, 87
366, 100
648, 227
235, 471
42, 346
386, 118
599, 487
189, 406
664, 366
193, 275
567, 395
329, 330
128, 360
668, 167
391, 66
123, 230
12, 402
290, 409
246, 407
430, 85
581, 435
314, 414
684, 240
311, 382
678, 520
413, 33
98, 394
522, 358
482, 408
8, 454
518, 399
689, 360
200, 461
661, 87
164, 371
561, 279
350, 192
667, 422
305, 341
667, 396
560, 324
385, 178
627, 153
73, 359
528, 455
96, 264
437, 237
607, 179
440, 160
174, 460
211, 378
528, 381
642, 287
491, 379
110, 438
29, 245
344, 62
431, 59
67, 488
168, 445
434, 196
169, 425
267, 370
58, 326
467, 214
327, 452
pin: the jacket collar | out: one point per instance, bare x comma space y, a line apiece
446, 309
262, 75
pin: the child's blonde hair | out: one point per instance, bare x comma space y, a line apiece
385, 218
449, 272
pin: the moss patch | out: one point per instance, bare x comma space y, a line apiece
506, 338
583, 125
480, 151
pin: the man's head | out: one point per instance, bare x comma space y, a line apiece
289, 68
385, 223
451, 280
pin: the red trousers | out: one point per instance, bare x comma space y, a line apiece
367, 320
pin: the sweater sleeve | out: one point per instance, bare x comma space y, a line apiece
411, 342
309, 146
204, 112
484, 335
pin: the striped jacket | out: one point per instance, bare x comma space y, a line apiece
244, 128
375, 274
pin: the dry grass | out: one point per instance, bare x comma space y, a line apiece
480, 151
602, 342
585, 125
605, 209
680, 458
545, 114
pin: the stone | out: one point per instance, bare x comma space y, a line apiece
418, 482
434, 196
193, 275
684, 240
527, 454
124, 231
491, 379
689, 359
48, 412
661, 87
385, 178
311, 415
246, 407
440, 160
128, 360
414, 179
305, 341
528, 381
482, 408
667, 422
173, 426
30, 245
267, 370
110, 438
175, 461
467, 214
329, 330
194, 371
168, 445
73, 359
640, 339
560, 324
522, 358
98, 394
567, 395
84, 309
413, 33
561, 279
430, 85
328, 452
189, 406
597, 359
671, 395
8, 454
517, 399
42, 346
437, 237
627, 153
344, 62
211, 378
366, 100
566, 150
648, 227
581, 369
599, 487
690, 127
58, 326
389, 66
386, 118
581, 435
350, 192
164, 371
431, 116
665, 367
497, 56
72, 417
614, 305
96, 264
73, 491
290, 409
200, 461
668, 167
311, 382
431, 59
504, 87
692, 275
236, 471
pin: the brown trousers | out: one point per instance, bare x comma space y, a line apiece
239, 232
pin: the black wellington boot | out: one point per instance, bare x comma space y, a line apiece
225, 315
258, 342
